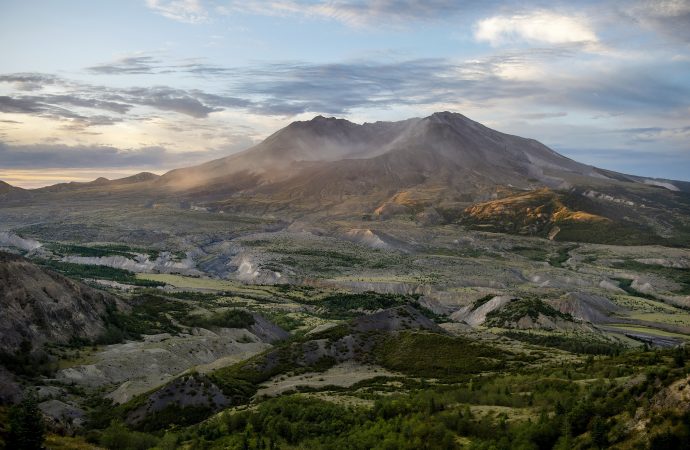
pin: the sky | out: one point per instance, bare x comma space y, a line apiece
115, 87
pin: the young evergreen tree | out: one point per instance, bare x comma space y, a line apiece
27, 429
599, 432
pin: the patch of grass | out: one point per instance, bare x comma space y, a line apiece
56, 442
626, 285
89, 271
241, 381
81, 250
232, 318
459, 252
608, 233
283, 320
338, 258
533, 253
647, 330
481, 301
561, 256
516, 309
151, 314
99, 250
256, 243
435, 355
677, 275
185, 282
577, 344
333, 333
193, 296
343, 305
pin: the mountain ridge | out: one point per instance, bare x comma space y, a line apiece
349, 136
433, 169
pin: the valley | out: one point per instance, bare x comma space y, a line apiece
491, 294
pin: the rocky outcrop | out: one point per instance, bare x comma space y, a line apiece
587, 307
136, 367
474, 314
401, 318
39, 306
165, 263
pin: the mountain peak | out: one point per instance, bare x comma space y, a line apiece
446, 114
141, 176
447, 117
321, 118
6, 187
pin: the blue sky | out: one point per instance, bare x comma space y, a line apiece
110, 88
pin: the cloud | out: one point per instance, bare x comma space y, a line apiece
540, 27
670, 18
52, 107
83, 156
357, 13
194, 103
551, 77
186, 11
148, 65
131, 65
29, 81
632, 89
550, 115
294, 88
20, 105
168, 99
655, 134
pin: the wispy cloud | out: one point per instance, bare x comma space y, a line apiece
194, 103
541, 27
84, 156
149, 65
670, 18
29, 81
131, 65
360, 12
291, 88
186, 11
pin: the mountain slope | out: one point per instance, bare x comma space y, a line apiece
329, 158
442, 168
318, 140
11, 194
40, 306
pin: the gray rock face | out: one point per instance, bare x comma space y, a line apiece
39, 306
190, 391
587, 307
136, 367
142, 263
62, 417
475, 317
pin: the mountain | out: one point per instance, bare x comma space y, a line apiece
329, 158
100, 183
9, 193
40, 306
441, 168
444, 165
